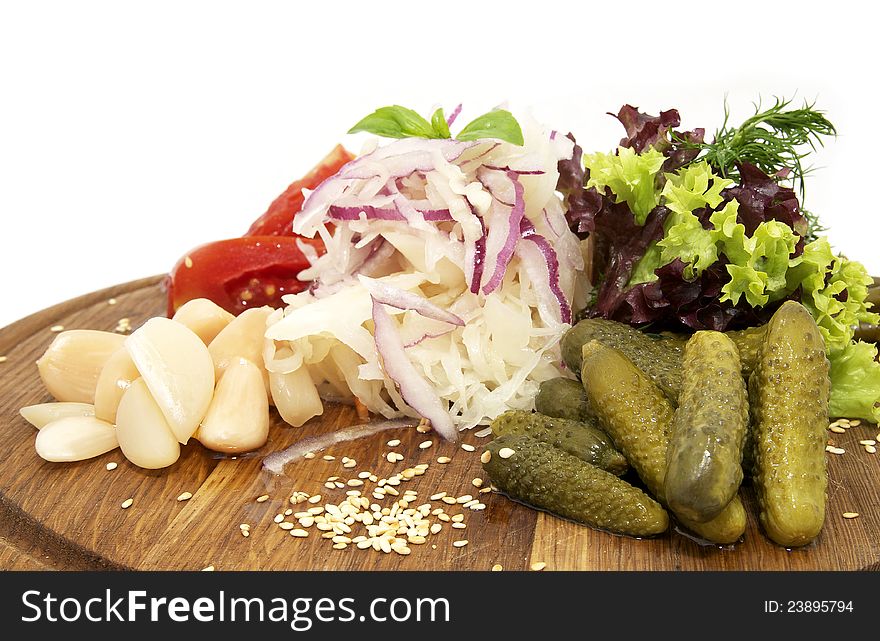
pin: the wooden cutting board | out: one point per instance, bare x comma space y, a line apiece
69, 515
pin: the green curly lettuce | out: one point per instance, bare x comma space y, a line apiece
630, 176
855, 382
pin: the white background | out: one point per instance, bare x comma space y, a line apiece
131, 132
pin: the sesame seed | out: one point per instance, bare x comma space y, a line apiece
300, 534
465, 498
263, 498
870, 449
467, 447
443, 517
497, 567
245, 533
244, 526
837, 430
460, 544
3, 359
355, 483
855, 423
458, 518
835, 450
485, 457
435, 528
315, 499
477, 482
278, 518
111, 466
338, 484
537, 567
364, 475
449, 500
868, 441
425, 445
309, 455
443, 459
424, 426
185, 496
459, 526
393, 442
56, 328
127, 503
483, 490
328, 457
207, 568
437, 496
286, 525
315, 510
188, 262
349, 464
850, 515
506, 452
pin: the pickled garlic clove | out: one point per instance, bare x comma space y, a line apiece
238, 418
75, 438
144, 435
71, 365
41, 415
114, 379
204, 317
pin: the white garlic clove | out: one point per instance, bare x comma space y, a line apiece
115, 378
295, 396
242, 338
144, 435
204, 317
75, 438
177, 368
41, 415
71, 365
238, 419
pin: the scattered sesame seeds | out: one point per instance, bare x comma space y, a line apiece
328, 457
56, 328
278, 518
868, 441
835, 450
127, 503
207, 568
435, 528
286, 525
245, 533
112, 301
837, 430
477, 482
424, 426
299, 533
485, 457
188, 262
497, 567
394, 457
244, 526
350, 464
870, 449
185, 496
460, 544
314, 499
449, 500
263, 498
464, 498
467, 447
443, 459
437, 496
425, 444
309, 455
855, 422
111, 466
123, 326
506, 452
459, 526
393, 442
537, 567
850, 515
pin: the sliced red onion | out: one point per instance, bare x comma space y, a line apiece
414, 389
403, 299
453, 115
337, 212
518, 172
528, 233
377, 259
553, 135
512, 235
425, 337
276, 461
475, 258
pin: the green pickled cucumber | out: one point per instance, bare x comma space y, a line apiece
788, 393
748, 342
658, 356
585, 441
545, 477
563, 398
637, 416
704, 457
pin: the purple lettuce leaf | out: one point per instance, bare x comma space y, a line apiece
762, 198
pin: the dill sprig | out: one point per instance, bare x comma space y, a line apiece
776, 140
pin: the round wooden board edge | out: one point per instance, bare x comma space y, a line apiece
18, 530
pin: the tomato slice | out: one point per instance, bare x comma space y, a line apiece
278, 219
240, 273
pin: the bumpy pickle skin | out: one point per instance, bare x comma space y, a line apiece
704, 457
658, 356
586, 442
563, 398
637, 416
748, 342
545, 477
788, 393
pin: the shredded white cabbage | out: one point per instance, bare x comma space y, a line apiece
413, 214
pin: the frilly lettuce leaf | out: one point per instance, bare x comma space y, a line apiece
643, 272
694, 187
630, 176
855, 382
688, 240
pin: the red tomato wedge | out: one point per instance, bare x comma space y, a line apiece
278, 219
240, 273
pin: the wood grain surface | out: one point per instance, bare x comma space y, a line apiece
69, 516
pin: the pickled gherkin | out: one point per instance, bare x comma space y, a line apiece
545, 477
563, 398
788, 393
633, 411
748, 342
704, 457
657, 356
586, 442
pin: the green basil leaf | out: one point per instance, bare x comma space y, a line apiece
438, 122
395, 122
499, 124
